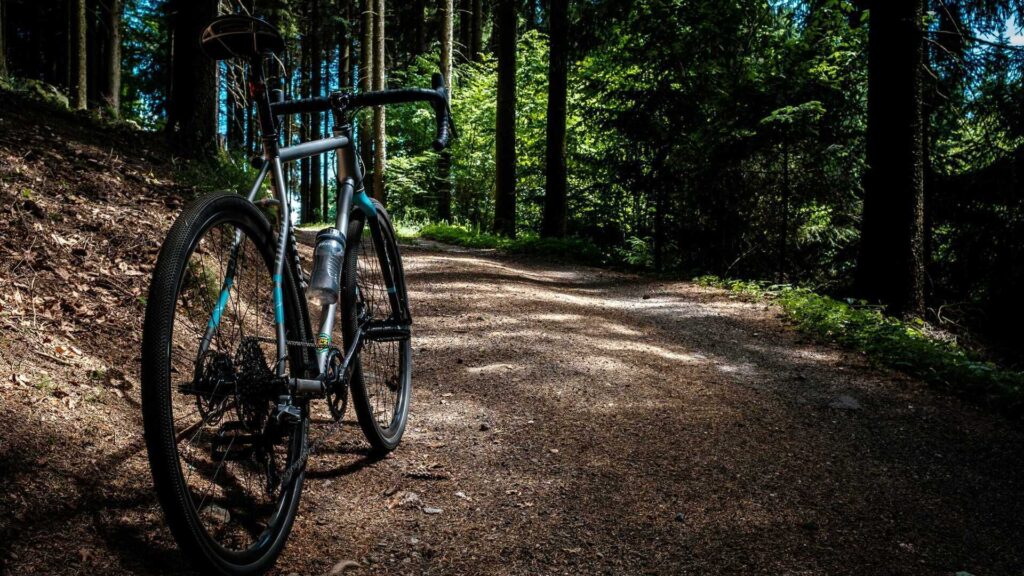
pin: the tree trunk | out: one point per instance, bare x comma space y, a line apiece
232, 134
112, 90
444, 162
366, 84
79, 56
447, 31
414, 29
379, 113
3, 39
316, 192
890, 269
192, 106
531, 14
555, 200
345, 48
465, 28
477, 35
325, 121
505, 135
305, 196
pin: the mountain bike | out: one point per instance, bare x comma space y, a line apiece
231, 370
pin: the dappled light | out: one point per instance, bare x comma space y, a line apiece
511, 287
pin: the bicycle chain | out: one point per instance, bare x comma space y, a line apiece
307, 449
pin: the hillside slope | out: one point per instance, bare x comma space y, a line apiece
84, 207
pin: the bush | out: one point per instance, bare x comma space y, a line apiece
905, 346
562, 249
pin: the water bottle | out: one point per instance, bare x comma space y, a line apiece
327, 260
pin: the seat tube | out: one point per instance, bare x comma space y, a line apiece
272, 157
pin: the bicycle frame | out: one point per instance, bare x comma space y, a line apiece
350, 192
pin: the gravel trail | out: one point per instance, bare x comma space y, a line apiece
569, 420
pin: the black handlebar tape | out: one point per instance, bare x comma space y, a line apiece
437, 97
305, 105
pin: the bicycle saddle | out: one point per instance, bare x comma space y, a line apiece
237, 36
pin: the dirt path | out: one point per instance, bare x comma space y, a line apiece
575, 421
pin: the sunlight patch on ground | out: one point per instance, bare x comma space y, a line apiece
560, 317
641, 348
745, 369
550, 276
490, 368
620, 329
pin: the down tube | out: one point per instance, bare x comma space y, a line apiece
328, 313
281, 192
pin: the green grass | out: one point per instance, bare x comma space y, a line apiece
563, 249
905, 346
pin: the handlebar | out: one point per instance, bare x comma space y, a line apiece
341, 101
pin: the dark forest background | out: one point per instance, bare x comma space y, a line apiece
867, 149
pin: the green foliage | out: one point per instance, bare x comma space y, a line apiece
561, 249
413, 169
906, 346
707, 128
637, 252
225, 172
35, 89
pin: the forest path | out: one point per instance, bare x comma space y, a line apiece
579, 421
565, 420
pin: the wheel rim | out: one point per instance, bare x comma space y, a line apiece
381, 364
231, 454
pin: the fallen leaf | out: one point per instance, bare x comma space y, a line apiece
342, 566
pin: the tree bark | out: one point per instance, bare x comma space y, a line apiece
112, 90
379, 112
447, 32
315, 90
505, 136
366, 83
79, 77
477, 35
325, 121
531, 14
345, 48
192, 106
444, 161
891, 268
3, 39
555, 196
465, 28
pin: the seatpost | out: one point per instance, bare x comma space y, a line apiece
268, 125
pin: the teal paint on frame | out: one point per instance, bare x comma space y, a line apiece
222, 303
278, 300
366, 204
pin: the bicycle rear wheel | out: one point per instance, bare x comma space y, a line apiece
382, 375
228, 474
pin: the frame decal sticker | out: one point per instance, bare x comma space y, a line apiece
323, 341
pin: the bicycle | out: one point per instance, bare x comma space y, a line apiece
230, 366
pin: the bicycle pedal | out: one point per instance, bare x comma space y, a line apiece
287, 413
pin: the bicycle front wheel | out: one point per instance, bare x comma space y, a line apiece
227, 473
382, 376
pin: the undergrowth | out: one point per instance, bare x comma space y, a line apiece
906, 346
565, 249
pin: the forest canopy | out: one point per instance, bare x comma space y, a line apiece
866, 149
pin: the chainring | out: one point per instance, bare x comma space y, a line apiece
336, 384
